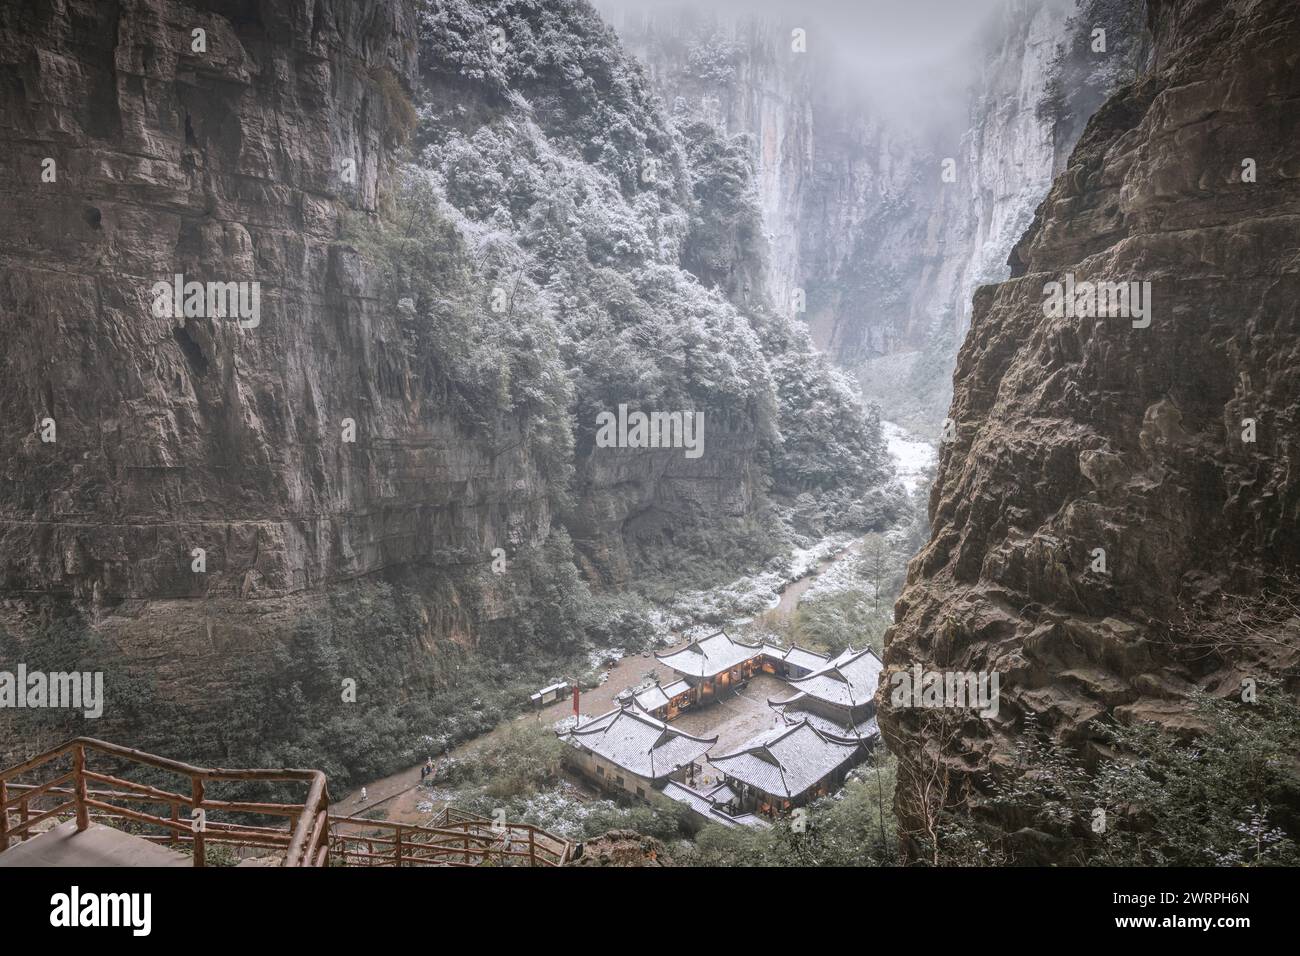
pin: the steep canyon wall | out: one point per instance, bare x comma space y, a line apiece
856, 206
1079, 434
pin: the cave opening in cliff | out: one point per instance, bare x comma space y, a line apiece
193, 352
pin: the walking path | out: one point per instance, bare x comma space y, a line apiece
398, 794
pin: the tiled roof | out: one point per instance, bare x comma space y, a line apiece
630, 738
709, 656
676, 687
652, 698
656, 696
692, 798
795, 709
705, 805
721, 794
796, 655
787, 761
849, 680
801, 657
744, 820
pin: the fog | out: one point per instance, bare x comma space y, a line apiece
913, 59
881, 36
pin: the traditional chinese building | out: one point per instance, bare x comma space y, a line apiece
713, 665
791, 662
628, 749
838, 698
664, 701
786, 768
718, 804
717, 663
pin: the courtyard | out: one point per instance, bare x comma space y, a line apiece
736, 719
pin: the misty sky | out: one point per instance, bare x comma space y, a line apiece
913, 60
879, 35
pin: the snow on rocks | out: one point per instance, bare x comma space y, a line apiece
913, 457
736, 603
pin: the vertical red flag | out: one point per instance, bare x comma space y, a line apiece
575, 700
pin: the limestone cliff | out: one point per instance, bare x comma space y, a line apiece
242, 161
469, 230
1107, 503
230, 164
859, 210
188, 483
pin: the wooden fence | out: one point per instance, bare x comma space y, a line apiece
310, 836
90, 794
454, 838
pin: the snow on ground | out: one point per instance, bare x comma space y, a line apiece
732, 605
435, 795
912, 456
603, 656
564, 809
842, 575
737, 602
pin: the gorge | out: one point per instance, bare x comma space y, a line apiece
469, 278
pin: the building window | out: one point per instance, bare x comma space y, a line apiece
600, 771
640, 791
619, 781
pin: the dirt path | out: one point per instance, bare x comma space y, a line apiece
398, 795
794, 591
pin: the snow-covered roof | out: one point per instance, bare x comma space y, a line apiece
788, 761
652, 698
630, 738
849, 680
705, 805
692, 798
657, 695
676, 687
802, 657
795, 709
743, 819
709, 656
721, 794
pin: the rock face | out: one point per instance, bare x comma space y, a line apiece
227, 156
1079, 434
623, 848
230, 164
630, 495
195, 488
237, 163
856, 209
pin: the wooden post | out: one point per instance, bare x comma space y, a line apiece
176, 818
79, 786
532, 847
397, 845
24, 813
200, 855
4, 817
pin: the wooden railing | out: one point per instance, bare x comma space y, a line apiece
310, 836
303, 840
454, 838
